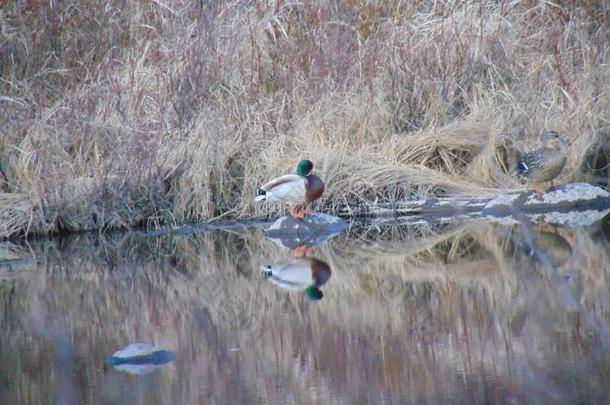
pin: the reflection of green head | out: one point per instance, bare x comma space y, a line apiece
304, 167
313, 293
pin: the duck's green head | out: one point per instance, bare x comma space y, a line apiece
304, 167
313, 293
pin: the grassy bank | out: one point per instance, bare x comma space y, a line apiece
129, 113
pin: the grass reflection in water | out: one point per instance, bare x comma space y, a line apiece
456, 313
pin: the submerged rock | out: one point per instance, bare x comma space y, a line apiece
312, 230
140, 358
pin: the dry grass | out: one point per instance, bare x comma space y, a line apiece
140, 113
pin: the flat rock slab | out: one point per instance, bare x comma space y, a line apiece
575, 204
430, 207
309, 231
567, 197
570, 204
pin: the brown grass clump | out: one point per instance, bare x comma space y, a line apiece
145, 113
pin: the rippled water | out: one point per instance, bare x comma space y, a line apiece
468, 313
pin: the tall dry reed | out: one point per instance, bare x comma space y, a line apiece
126, 113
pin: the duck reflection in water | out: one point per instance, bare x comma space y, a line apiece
550, 249
557, 249
306, 274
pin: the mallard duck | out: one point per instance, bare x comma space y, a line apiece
552, 245
299, 189
303, 274
545, 163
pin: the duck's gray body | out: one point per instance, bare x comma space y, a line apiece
292, 188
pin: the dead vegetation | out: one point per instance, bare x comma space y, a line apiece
121, 114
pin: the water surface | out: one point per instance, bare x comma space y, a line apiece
460, 313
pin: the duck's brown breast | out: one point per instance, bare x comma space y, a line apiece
550, 169
313, 188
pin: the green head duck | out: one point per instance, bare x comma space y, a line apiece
313, 293
304, 168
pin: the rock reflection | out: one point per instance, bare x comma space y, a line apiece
306, 274
315, 229
140, 358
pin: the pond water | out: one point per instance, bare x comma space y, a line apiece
474, 312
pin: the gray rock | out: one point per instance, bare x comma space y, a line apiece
575, 204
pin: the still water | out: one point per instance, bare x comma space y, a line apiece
474, 312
